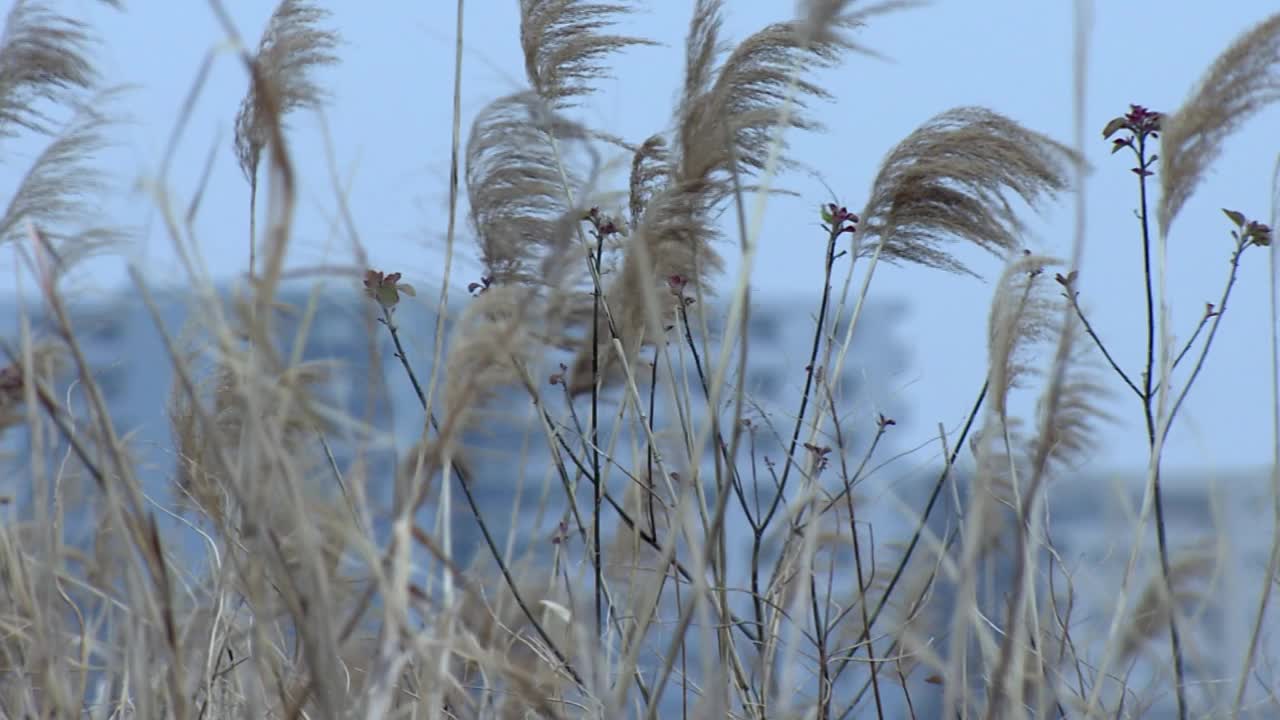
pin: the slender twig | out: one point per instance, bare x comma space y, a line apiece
595, 432
920, 526
1073, 297
649, 538
1209, 313
682, 309
833, 233
394, 330
464, 482
650, 486
1241, 245
882, 426
1148, 407
686, 616
895, 647
820, 633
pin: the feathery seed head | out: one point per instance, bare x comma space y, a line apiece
292, 47
565, 45
43, 57
952, 179
518, 203
1022, 315
1242, 81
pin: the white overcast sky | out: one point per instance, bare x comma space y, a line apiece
390, 123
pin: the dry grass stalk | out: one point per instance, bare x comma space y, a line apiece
1242, 81
288, 412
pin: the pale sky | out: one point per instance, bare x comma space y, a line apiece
390, 124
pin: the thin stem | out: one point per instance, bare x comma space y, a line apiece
849, 480
650, 485
404, 358
820, 640
1149, 413
1146, 274
649, 539
253, 206
726, 454
595, 435
832, 234
1073, 296
464, 481
1213, 331
1204, 320
915, 537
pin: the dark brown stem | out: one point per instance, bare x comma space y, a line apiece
595, 437
1073, 296
1204, 320
1149, 411
833, 233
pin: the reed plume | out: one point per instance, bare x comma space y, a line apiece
1242, 81
565, 44
1024, 325
823, 20
493, 345
952, 180
59, 192
43, 58
731, 102
292, 47
1023, 315
518, 203
286, 405
729, 109
650, 172
44, 68
1071, 434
